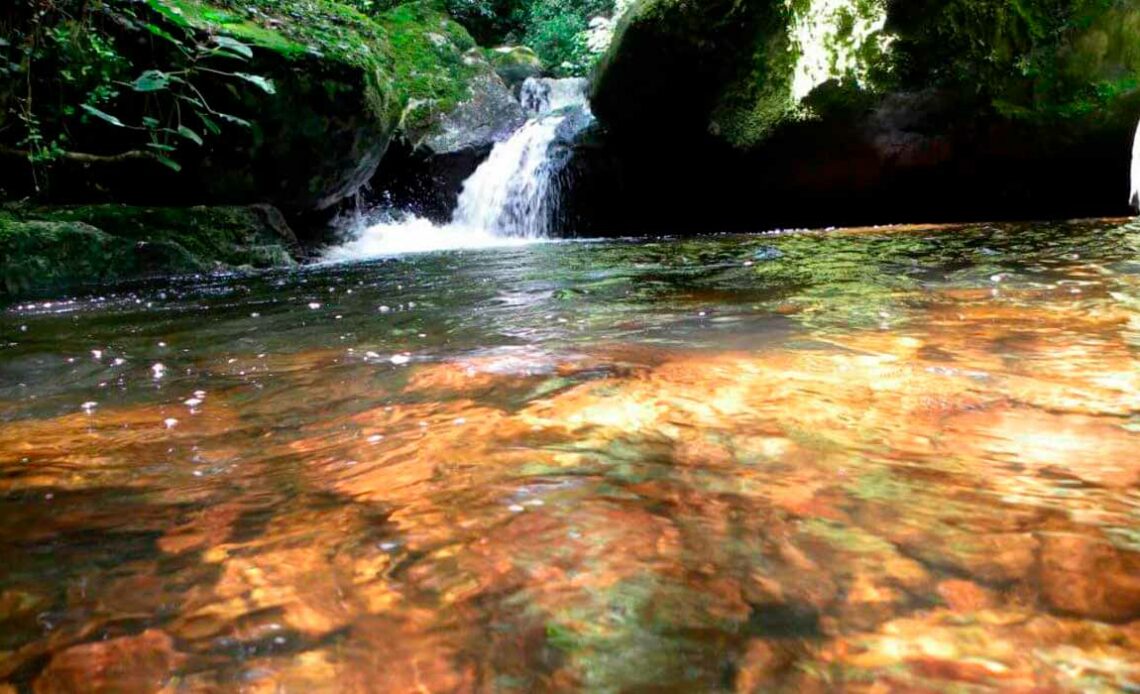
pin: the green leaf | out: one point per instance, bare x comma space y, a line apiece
210, 126
150, 122
265, 84
102, 115
234, 119
161, 147
4, 43
232, 44
162, 33
168, 162
190, 134
190, 100
151, 81
174, 14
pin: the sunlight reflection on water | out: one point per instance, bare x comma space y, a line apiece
904, 458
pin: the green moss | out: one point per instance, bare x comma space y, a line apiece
58, 248
46, 255
739, 71
427, 55
293, 29
514, 64
197, 15
734, 68
760, 98
412, 49
1042, 60
214, 234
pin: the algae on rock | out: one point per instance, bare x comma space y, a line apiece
734, 70
45, 249
740, 70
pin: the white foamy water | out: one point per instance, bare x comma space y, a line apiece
415, 235
540, 95
510, 195
510, 200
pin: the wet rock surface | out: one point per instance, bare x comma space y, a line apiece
57, 249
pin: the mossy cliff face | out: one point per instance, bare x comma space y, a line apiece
732, 70
453, 98
349, 83
54, 249
796, 112
737, 71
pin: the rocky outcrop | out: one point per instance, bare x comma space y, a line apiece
774, 114
515, 65
302, 97
53, 249
488, 115
441, 143
291, 104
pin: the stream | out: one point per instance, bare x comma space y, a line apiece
907, 456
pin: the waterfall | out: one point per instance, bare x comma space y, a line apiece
541, 95
509, 194
510, 199
1134, 197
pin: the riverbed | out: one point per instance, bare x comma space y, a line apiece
904, 457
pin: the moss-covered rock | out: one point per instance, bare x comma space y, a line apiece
738, 71
453, 99
457, 107
52, 249
320, 87
1060, 60
733, 70
868, 111
515, 64
319, 137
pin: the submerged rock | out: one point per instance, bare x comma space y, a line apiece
143, 663
1089, 577
67, 247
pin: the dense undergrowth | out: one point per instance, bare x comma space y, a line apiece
98, 82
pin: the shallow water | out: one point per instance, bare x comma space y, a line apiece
882, 459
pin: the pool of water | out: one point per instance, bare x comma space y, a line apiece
899, 458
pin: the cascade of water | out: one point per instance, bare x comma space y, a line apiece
510, 198
542, 95
509, 194
1134, 197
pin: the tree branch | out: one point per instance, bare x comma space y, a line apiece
86, 158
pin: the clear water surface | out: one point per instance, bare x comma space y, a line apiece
897, 459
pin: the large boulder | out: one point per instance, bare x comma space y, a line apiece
515, 65
829, 112
488, 115
291, 102
62, 248
460, 109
